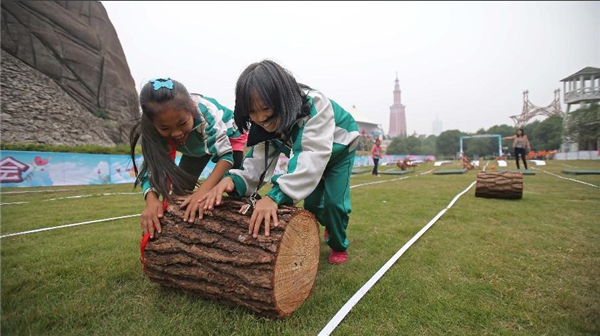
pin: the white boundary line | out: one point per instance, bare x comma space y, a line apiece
79, 196
568, 178
566, 165
91, 195
390, 180
486, 165
32, 191
67, 225
341, 314
376, 182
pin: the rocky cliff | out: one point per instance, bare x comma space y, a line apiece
64, 79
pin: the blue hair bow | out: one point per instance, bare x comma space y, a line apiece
162, 82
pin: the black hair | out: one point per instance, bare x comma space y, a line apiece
157, 164
522, 132
277, 88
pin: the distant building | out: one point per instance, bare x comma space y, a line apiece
436, 127
366, 126
397, 114
580, 88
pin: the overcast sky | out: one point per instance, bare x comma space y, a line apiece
467, 63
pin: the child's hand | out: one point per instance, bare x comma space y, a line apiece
151, 214
213, 197
266, 209
194, 204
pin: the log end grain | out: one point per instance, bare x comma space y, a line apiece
297, 263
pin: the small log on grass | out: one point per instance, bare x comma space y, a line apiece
215, 258
504, 185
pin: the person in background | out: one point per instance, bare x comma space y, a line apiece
376, 155
520, 142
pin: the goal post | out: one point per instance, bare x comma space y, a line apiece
483, 136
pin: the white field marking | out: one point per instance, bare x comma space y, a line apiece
78, 196
32, 191
84, 196
567, 178
341, 314
390, 180
486, 165
369, 183
566, 165
425, 173
67, 225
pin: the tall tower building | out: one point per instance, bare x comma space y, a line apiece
436, 126
397, 114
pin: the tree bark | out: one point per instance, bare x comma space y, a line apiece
504, 185
216, 258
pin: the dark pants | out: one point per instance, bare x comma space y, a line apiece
238, 157
195, 165
521, 152
376, 162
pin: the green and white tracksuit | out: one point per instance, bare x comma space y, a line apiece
208, 140
321, 148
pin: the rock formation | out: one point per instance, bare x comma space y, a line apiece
65, 79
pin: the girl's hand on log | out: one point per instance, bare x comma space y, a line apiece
214, 196
265, 209
151, 215
194, 204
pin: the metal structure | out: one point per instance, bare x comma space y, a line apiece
530, 111
483, 136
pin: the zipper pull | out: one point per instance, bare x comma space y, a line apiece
251, 204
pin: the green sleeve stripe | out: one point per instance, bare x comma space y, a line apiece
239, 185
279, 196
145, 183
215, 142
232, 130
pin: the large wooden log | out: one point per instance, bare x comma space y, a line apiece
215, 258
504, 185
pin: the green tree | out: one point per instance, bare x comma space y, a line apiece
503, 130
547, 134
448, 143
428, 145
480, 146
413, 145
397, 146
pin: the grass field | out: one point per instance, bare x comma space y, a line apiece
530, 266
